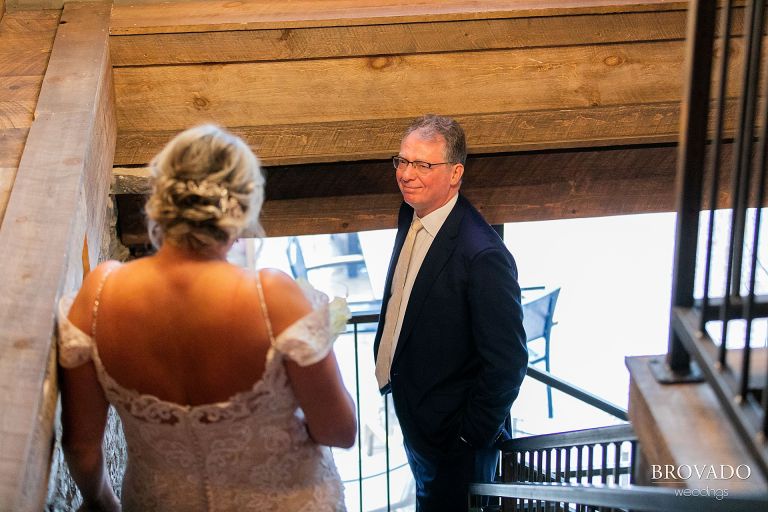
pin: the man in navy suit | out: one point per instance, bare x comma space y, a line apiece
450, 346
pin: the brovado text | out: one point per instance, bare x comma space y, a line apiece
700, 471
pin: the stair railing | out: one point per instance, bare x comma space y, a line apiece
591, 470
703, 343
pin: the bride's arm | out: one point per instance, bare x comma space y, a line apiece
84, 414
328, 407
84, 417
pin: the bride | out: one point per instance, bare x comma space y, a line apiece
225, 379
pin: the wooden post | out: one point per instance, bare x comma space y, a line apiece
58, 198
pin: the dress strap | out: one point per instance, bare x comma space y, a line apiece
97, 301
264, 310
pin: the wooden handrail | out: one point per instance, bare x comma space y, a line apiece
629, 497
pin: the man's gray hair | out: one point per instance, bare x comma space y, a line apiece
431, 125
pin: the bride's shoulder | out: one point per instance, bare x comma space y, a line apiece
81, 309
284, 298
277, 281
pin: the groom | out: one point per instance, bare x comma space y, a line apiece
450, 346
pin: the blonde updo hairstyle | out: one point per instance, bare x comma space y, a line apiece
208, 187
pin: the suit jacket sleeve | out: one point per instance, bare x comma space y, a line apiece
497, 327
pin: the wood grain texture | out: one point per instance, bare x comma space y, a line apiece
674, 422
344, 197
382, 87
499, 132
571, 86
11, 146
199, 15
530, 186
36, 5
18, 99
26, 38
7, 177
62, 162
399, 38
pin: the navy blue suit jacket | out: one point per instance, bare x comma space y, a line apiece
461, 355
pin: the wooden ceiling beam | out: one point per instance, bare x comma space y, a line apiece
340, 81
315, 42
358, 196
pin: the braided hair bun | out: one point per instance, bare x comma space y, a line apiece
208, 187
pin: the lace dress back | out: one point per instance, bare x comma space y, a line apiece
251, 452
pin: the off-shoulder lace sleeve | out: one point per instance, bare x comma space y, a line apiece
310, 339
75, 347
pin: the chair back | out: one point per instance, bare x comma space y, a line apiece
538, 315
296, 258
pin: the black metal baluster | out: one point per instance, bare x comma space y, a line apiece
604, 465
760, 189
742, 162
558, 475
579, 473
519, 476
725, 37
540, 476
386, 448
529, 477
567, 505
359, 432
765, 400
691, 153
547, 475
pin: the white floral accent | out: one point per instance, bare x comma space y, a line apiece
309, 339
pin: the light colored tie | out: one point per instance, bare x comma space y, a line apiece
387, 343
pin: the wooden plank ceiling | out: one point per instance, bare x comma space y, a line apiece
571, 107
26, 39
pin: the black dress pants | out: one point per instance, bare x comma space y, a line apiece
442, 482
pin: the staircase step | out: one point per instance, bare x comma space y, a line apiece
683, 425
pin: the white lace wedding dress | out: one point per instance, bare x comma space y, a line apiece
251, 452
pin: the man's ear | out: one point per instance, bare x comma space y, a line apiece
456, 174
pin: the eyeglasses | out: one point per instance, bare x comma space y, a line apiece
401, 164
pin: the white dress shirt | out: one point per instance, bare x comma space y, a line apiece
424, 238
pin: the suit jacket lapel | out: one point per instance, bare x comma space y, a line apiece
441, 249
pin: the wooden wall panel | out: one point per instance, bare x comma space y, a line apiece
309, 92
58, 172
373, 139
505, 187
198, 15
385, 87
395, 38
358, 196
